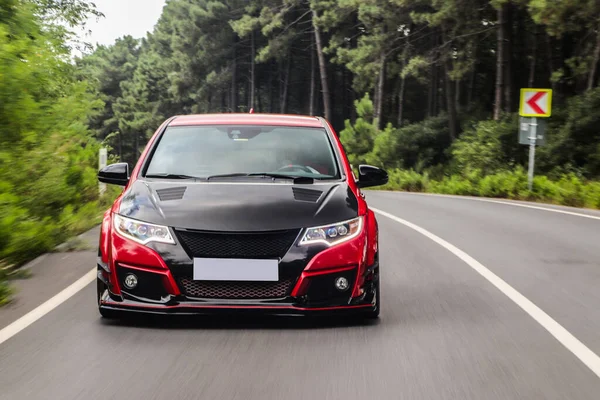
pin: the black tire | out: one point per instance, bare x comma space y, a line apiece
108, 314
100, 288
374, 314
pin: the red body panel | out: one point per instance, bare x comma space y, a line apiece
128, 253
247, 119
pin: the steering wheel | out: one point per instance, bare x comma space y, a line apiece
295, 166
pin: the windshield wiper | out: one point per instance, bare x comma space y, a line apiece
227, 175
172, 176
296, 179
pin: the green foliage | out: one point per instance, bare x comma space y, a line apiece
407, 180
568, 190
489, 146
48, 155
574, 137
358, 138
415, 146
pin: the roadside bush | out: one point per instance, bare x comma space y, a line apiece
416, 146
505, 184
455, 185
573, 137
568, 190
5, 292
489, 146
408, 181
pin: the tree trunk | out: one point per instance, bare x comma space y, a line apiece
532, 63
472, 74
137, 145
233, 101
405, 55
432, 81
379, 92
595, 59
450, 100
550, 61
270, 91
430, 92
348, 98
353, 115
441, 102
311, 107
457, 95
286, 81
499, 64
507, 57
258, 100
471, 86
401, 99
252, 71
322, 68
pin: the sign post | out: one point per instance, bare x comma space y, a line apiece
102, 161
535, 103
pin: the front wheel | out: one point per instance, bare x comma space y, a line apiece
100, 288
374, 314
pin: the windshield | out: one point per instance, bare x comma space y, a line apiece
207, 151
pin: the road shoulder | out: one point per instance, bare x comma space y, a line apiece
49, 274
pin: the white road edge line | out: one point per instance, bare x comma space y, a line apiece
588, 357
508, 203
43, 309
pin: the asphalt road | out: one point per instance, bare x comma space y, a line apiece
445, 332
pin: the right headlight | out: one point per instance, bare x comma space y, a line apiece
142, 232
333, 234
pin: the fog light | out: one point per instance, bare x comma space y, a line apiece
131, 281
341, 284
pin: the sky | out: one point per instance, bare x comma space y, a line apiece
122, 17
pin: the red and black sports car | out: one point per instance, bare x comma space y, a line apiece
240, 212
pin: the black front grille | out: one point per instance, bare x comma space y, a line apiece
237, 245
235, 290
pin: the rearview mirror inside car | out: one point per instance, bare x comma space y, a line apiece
371, 176
115, 174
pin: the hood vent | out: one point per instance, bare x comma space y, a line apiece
302, 194
174, 193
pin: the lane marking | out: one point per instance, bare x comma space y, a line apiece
508, 203
581, 351
43, 309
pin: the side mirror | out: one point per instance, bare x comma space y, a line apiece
371, 176
115, 174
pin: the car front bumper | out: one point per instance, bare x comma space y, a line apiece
186, 308
290, 306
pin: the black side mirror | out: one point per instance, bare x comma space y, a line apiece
115, 174
371, 176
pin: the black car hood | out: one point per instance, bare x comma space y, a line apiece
238, 206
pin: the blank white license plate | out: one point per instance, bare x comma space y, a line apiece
222, 269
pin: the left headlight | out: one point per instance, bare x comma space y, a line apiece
142, 232
334, 233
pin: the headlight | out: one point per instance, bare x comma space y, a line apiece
334, 233
142, 232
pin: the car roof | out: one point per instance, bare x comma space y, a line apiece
247, 119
